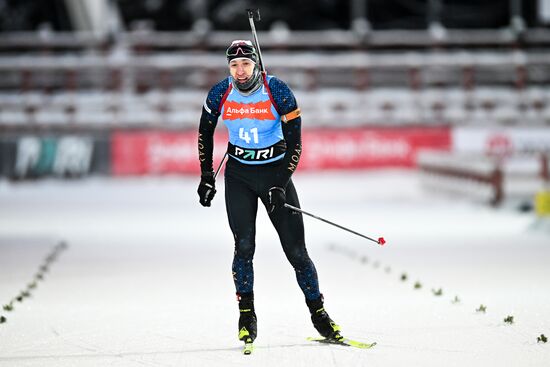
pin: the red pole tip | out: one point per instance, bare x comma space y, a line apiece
381, 241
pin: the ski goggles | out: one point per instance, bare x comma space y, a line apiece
244, 50
241, 50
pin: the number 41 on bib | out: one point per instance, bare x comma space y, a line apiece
245, 135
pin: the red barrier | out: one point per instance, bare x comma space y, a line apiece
155, 152
370, 147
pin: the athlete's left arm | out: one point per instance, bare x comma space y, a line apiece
291, 124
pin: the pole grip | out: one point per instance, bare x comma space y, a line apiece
254, 13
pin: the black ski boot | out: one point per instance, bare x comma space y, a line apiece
247, 320
321, 320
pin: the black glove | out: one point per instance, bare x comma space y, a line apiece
277, 198
207, 188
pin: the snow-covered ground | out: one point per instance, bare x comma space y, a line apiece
146, 279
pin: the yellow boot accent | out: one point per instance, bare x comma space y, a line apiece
243, 333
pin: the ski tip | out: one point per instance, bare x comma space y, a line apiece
381, 241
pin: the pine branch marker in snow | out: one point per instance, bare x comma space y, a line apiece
39, 276
437, 292
481, 308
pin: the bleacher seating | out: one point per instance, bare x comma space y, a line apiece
125, 86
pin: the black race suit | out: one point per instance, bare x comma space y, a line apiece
245, 184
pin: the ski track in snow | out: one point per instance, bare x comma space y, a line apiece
146, 280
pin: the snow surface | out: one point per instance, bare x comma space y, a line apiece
146, 280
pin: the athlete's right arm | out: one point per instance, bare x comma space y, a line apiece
207, 125
206, 140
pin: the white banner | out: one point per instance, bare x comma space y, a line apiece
500, 141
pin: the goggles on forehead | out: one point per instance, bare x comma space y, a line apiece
241, 49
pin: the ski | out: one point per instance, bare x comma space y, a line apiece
248, 347
342, 341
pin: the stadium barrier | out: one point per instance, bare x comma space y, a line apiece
466, 175
64, 155
518, 180
163, 152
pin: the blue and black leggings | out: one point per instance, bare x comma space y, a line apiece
244, 184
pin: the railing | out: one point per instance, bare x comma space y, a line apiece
279, 38
483, 178
180, 108
306, 70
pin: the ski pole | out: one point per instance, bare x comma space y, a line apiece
220, 166
255, 14
380, 240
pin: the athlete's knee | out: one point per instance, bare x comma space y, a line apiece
298, 256
244, 247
